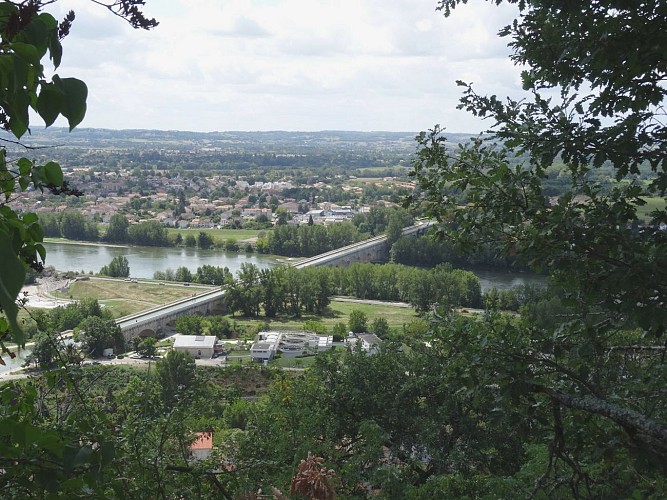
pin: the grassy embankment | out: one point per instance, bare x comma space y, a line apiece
123, 298
219, 235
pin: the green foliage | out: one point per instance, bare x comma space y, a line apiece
176, 376
339, 331
147, 347
119, 267
183, 274
117, 232
397, 220
97, 334
380, 327
357, 321
189, 324
68, 317
578, 369
151, 234
426, 251
219, 326
212, 275
204, 240
231, 245
315, 326
306, 241
27, 37
44, 350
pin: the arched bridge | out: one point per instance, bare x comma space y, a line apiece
151, 322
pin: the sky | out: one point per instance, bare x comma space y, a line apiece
299, 65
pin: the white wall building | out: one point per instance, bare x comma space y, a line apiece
197, 346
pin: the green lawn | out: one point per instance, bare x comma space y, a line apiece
124, 298
219, 235
293, 362
339, 312
644, 212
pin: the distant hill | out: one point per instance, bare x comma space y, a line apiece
272, 140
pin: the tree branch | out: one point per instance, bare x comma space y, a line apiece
625, 417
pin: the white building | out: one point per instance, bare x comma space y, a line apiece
263, 351
290, 343
197, 346
370, 343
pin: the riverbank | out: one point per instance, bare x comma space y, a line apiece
65, 241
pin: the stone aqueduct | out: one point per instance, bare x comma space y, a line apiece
151, 323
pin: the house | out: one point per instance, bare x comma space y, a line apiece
202, 446
197, 346
369, 342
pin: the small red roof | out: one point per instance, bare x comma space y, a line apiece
204, 441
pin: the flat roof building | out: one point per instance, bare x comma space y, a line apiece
197, 346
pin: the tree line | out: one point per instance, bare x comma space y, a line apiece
94, 328
292, 291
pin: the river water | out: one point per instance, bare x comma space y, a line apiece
144, 261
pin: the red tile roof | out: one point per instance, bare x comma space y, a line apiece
204, 441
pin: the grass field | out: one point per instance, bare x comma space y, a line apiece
292, 362
124, 298
396, 316
219, 235
644, 212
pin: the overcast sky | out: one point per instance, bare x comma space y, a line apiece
215, 65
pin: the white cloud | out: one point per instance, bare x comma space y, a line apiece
288, 64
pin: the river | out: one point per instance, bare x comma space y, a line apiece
144, 261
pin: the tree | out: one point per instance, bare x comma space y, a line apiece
204, 240
589, 370
176, 375
282, 217
189, 324
148, 234
231, 245
117, 232
44, 350
213, 275
74, 226
397, 220
339, 331
357, 321
147, 347
183, 274
119, 267
97, 334
380, 327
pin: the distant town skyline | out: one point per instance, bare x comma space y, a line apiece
294, 65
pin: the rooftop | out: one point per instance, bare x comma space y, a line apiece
194, 341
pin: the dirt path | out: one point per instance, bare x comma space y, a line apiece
373, 302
